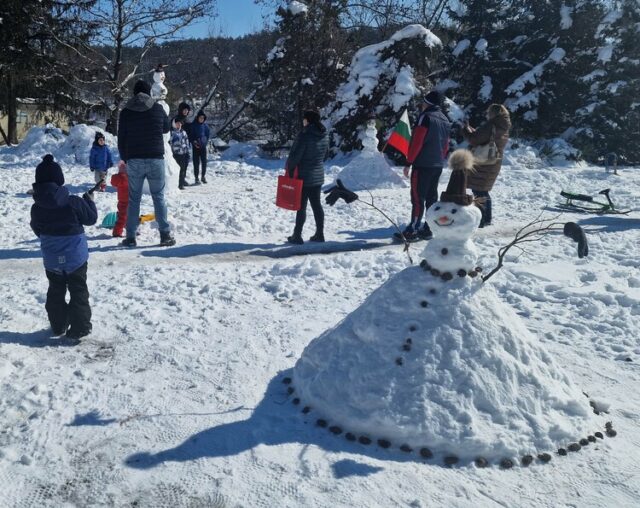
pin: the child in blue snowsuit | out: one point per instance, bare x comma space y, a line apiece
57, 219
100, 160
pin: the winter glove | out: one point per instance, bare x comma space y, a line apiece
339, 191
576, 233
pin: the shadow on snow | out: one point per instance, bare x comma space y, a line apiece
274, 421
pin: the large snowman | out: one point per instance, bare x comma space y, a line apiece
435, 363
159, 93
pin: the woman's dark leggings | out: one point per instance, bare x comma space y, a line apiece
485, 207
312, 195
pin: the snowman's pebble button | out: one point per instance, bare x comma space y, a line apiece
462, 273
445, 251
481, 462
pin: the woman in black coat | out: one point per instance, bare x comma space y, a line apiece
307, 155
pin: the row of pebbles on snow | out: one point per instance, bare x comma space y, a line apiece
450, 460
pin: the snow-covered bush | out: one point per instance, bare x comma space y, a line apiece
77, 145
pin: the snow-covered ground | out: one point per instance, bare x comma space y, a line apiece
176, 399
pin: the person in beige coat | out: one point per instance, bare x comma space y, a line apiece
484, 176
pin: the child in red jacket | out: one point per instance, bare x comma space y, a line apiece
121, 182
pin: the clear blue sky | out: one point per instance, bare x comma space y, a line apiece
235, 18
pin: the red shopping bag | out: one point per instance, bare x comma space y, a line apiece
289, 195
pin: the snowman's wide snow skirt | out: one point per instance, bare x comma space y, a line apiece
442, 367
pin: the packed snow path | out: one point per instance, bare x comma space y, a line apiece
176, 399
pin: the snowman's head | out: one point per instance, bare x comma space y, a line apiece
452, 220
158, 76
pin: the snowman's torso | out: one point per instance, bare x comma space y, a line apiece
451, 248
158, 90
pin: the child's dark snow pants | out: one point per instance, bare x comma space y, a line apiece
76, 313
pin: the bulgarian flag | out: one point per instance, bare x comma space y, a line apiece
401, 135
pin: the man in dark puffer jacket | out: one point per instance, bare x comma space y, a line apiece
141, 144
307, 155
57, 219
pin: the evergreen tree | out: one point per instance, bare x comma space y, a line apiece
610, 121
303, 69
37, 41
557, 47
383, 79
477, 66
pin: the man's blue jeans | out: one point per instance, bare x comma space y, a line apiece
154, 171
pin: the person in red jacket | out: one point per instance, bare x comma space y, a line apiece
121, 182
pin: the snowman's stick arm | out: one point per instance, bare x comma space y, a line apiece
524, 235
406, 243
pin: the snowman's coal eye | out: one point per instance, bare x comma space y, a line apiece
454, 210
437, 208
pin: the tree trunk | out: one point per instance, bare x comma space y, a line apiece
12, 110
4, 136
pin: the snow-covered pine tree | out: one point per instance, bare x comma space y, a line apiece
303, 69
556, 47
610, 121
477, 67
382, 80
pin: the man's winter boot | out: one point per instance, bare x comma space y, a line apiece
166, 240
295, 239
425, 233
409, 235
318, 237
129, 242
204, 179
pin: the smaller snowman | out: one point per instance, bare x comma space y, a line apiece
369, 169
158, 90
453, 222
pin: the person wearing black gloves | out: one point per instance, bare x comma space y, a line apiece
57, 218
307, 155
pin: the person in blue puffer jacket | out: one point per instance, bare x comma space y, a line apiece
199, 136
57, 219
100, 160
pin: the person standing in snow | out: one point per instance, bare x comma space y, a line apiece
100, 160
57, 219
184, 112
427, 156
180, 149
108, 127
199, 136
483, 177
121, 182
142, 125
307, 155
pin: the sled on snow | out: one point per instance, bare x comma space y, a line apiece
110, 219
588, 204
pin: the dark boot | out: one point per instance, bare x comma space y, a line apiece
166, 240
425, 233
318, 237
295, 239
